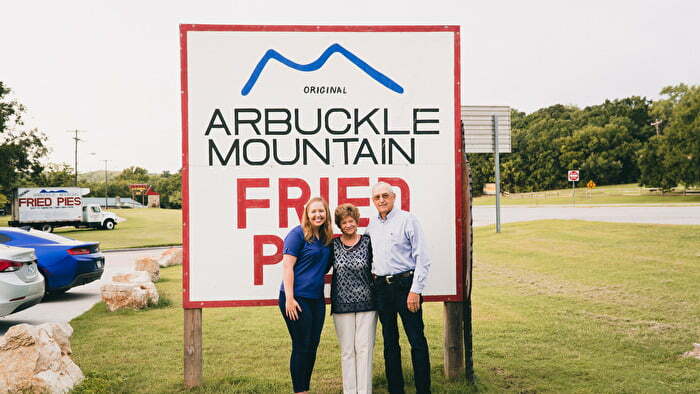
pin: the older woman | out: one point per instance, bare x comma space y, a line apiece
306, 259
352, 301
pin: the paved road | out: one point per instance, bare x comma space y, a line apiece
65, 307
486, 214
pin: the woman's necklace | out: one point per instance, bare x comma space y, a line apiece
354, 241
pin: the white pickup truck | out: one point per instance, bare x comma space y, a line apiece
46, 208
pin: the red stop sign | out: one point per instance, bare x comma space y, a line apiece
573, 175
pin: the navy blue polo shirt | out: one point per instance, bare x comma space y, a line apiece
312, 263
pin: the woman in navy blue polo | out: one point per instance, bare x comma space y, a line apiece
307, 252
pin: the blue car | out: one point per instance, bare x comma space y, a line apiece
64, 262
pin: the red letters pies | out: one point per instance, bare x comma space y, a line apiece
47, 202
285, 203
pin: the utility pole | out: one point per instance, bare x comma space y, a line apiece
76, 152
106, 202
656, 124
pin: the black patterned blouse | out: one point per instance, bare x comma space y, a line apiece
352, 287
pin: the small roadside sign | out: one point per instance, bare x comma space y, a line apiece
573, 176
590, 184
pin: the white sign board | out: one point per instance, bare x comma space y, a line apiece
274, 115
573, 175
56, 204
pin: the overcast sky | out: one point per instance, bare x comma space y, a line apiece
112, 68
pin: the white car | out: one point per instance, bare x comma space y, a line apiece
21, 284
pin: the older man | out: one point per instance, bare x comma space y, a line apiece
400, 267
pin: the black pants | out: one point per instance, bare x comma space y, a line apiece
306, 334
391, 301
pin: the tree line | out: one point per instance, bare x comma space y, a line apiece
166, 184
634, 139
618, 141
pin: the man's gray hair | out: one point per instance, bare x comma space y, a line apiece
383, 184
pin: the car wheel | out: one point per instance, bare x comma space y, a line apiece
109, 224
46, 228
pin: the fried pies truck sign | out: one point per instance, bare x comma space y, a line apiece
274, 115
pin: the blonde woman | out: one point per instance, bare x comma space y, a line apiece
352, 301
306, 259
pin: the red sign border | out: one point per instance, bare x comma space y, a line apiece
185, 28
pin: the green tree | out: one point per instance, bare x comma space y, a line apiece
604, 154
663, 109
134, 175
169, 187
682, 138
55, 175
20, 150
603, 141
652, 166
673, 157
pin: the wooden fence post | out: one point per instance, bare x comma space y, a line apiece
193, 347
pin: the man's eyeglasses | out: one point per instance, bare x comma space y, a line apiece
384, 196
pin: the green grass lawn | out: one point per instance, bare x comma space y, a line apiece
630, 194
559, 306
142, 228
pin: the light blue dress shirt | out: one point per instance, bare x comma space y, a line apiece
399, 245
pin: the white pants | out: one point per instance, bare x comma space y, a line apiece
356, 336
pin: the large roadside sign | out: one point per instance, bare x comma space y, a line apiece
273, 115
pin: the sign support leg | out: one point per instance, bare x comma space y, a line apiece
193, 347
454, 350
468, 349
497, 167
467, 262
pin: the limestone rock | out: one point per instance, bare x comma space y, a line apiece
133, 290
37, 359
132, 277
695, 353
149, 265
172, 256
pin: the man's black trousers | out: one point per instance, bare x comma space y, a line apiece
391, 301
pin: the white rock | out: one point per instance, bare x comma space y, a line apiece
149, 265
132, 277
172, 256
695, 353
131, 290
37, 359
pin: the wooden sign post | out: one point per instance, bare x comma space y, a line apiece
193, 347
458, 333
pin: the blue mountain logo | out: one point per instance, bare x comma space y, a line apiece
318, 63
52, 191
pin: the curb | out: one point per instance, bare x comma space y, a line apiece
141, 249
